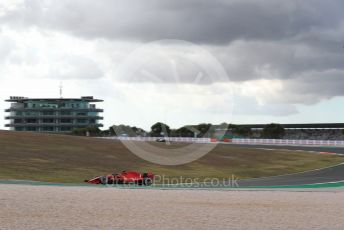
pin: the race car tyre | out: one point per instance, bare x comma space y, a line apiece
103, 180
147, 181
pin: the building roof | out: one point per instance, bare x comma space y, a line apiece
22, 99
300, 126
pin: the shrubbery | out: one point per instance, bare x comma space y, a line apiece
274, 131
92, 131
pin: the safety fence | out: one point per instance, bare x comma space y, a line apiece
235, 141
171, 139
287, 142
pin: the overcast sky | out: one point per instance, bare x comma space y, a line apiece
179, 62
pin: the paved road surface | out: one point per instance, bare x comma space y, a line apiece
338, 150
331, 174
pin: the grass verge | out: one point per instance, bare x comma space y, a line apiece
70, 159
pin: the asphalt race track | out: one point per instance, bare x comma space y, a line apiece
326, 175
333, 174
338, 150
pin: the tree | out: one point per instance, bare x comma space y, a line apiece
184, 132
238, 131
92, 131
160, 129
118, 130
273, 130
204, 129
243, 131
112, 131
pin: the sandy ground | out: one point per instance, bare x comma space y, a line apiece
45, 207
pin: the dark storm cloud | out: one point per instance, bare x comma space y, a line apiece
278, 60
312, 87
251, 107
298, 42
283, 37
203, 21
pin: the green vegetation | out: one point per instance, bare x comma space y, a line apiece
160, 129
88, 131
65, 158
273, 130
119, 130
183, 132
200, 130
238, 131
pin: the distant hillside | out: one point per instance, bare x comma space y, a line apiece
63, 158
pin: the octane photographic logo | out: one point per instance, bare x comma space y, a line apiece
196, 182
163, 181
181, 81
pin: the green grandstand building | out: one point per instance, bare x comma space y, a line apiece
52, 114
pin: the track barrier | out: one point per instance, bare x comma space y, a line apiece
235, 141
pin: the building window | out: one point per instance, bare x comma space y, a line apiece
31, 114
48, 113
48, 129
66, 113
82, 121
82, 114
48, 120
16, 121
48, 105
93, 114
66, 120
66, 129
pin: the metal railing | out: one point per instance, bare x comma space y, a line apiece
235, 141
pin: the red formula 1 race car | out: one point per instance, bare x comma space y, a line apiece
125, 177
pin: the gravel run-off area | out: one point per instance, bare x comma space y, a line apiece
54, 207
